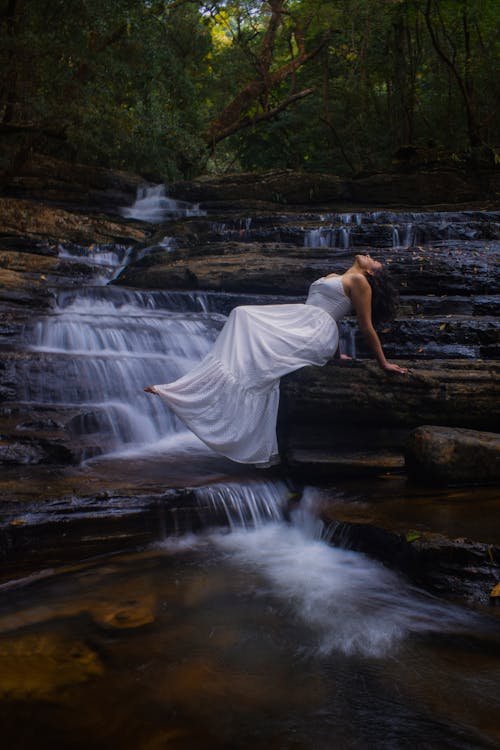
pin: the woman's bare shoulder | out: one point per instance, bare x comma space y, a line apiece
356, 281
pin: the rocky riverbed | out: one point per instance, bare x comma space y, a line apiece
70, 261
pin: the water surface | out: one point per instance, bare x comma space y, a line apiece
258, 638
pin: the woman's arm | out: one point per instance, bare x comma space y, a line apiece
361, 298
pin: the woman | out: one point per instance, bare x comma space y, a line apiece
230, 399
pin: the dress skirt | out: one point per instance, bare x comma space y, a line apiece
230, 399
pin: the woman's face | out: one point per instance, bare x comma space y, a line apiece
368, 264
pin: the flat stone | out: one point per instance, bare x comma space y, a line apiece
321, 404
453, 455
321, 463
287, 268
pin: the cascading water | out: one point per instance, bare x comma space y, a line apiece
400, 229
101, 347
104, 261
153, 205
264, 636
351, 604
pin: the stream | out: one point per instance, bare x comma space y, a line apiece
232, 623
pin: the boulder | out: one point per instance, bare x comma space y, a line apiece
453, 455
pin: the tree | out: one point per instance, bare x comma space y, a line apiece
114, 82
157, 86
456, 35
253, 102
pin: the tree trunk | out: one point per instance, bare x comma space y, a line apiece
235, 116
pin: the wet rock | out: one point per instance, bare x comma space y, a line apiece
23, 289
33, 219
279, 186
320, 464
352, 414
31, 451
453, 455
425, 187
27, 262
356, 395
80, 186
456, 567
38, 666
288, 269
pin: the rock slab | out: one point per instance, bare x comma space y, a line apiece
453, 455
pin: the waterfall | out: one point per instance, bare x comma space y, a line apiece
328, 237
100, 347
105, 261
153, 205
347, 330
248, 505
93, 353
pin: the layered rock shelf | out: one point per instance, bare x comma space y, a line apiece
327, 410
82, 287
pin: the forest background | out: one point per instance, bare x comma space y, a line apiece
176, 88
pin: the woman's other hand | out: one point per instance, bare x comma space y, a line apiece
395, 368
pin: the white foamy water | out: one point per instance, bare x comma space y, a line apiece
106, 261
248, 505
351, 603
153, 205
98, 350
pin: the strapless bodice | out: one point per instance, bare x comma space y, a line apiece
329, 295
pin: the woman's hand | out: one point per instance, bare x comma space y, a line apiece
395, 368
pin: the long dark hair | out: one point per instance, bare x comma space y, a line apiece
385, 296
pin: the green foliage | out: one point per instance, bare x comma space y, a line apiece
137, 84
382, 84
119, 81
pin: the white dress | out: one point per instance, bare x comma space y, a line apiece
230, 399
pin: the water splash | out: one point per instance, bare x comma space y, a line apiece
351, 603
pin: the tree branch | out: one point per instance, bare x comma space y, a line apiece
248, 121
228, 120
